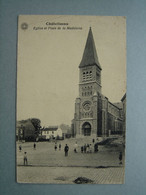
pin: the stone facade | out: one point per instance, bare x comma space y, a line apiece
94, 114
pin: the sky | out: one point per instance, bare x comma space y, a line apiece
48, 57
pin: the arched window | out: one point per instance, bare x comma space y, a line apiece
87, 75
84, 75
90, 74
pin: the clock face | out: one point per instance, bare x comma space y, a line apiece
87, 105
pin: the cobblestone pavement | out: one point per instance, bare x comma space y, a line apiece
66, 175
49, 166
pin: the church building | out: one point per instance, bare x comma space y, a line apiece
94, 114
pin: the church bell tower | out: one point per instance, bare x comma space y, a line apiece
86, 105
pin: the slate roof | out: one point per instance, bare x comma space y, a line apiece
90, 55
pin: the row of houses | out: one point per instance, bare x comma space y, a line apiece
26, 131
55, 132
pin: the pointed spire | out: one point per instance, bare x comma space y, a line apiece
90, 55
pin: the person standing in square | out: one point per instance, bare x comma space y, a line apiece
25, 159
66, 149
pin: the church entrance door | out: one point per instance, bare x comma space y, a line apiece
86, 129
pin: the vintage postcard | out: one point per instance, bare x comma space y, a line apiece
71, 99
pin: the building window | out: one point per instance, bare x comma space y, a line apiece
84, 75
90, 75
87, 75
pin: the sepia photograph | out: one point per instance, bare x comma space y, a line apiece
71, 99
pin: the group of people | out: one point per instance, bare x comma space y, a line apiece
66, 148
86, 148
55, 147
89, 148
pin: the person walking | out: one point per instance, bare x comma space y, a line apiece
120, 158
59, 146
90, 148
25, 159
55, 147
20, 148
66, 149
85, 148
34, 146
96, 147
82, 149
76, 148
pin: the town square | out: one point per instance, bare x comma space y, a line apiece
71, 100
45, 165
